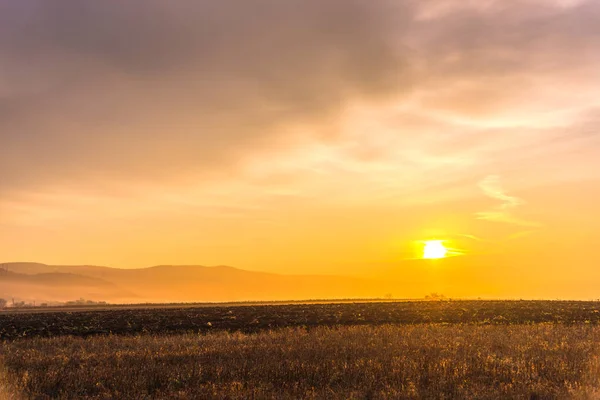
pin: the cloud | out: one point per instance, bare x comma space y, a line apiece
492, 188
136, 98
502, 213
94, 91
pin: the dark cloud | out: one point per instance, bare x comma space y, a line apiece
97, 91
101, 87
508, 48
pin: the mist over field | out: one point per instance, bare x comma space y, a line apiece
172, 284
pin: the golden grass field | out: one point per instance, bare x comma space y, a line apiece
423, 361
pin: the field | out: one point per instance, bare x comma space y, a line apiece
411, 350
254, 318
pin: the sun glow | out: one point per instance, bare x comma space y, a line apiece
434, 249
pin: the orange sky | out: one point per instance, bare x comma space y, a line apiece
307, 137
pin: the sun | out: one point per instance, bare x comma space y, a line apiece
434, 249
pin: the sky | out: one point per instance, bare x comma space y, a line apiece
317, 137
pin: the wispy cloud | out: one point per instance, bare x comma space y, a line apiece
492, 187
472, 237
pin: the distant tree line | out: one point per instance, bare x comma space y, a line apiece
19, 304
84, 302
436, 297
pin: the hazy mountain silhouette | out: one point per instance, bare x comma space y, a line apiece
59, 286
176, 283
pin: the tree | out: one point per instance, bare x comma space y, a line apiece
3, 303
435, 296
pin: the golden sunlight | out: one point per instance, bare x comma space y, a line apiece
434, 249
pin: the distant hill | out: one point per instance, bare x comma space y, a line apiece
58, 286
178, 283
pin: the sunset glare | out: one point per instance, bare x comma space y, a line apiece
434, 249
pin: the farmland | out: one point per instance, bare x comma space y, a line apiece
254, 318
406, 350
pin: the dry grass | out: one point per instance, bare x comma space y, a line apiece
412, 362
6, 393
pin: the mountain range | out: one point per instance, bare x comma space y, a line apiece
172, 283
